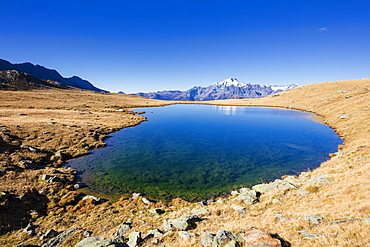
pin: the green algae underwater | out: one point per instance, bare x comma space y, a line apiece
197, 152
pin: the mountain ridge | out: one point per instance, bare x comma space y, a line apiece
43, 73
230, 88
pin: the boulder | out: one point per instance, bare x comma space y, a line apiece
97, 242
153, 233
225, 238
255, 238
287, 185
265, 188
183, 223
207, 239
59, 239
248, 197
134, 239
122, 229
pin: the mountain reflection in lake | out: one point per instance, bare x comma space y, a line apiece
197, 151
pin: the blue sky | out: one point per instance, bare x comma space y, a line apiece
146, 45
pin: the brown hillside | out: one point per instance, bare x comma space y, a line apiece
67, 123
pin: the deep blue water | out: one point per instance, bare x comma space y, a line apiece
196, 151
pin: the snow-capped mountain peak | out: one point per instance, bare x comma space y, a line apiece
229, 82
283, 87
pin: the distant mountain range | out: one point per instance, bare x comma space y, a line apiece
43, 73
230, 88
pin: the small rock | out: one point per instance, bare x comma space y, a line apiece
26, 164
344, 117
316, 235
30, 229
49, 234
207, 240
185, 235
154, 233
220, 201
238, 208
366, 220
87, 234
276, 201
199, 211
122, 229
302, 192
136, 195
156, 211
287, 185
53, 179
97, 199
318, 180
84, 112
145, 200
313, 219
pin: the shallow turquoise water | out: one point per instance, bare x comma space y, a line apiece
198, 151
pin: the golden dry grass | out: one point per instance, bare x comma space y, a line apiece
345, 197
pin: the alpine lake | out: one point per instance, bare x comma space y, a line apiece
201, 151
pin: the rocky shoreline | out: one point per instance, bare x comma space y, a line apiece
324, 207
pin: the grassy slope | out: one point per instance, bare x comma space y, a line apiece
345, 197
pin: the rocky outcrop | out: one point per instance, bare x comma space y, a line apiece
251, 237
13, 80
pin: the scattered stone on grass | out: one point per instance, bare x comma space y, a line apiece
313, 219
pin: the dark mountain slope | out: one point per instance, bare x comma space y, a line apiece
12, 80
43, 73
